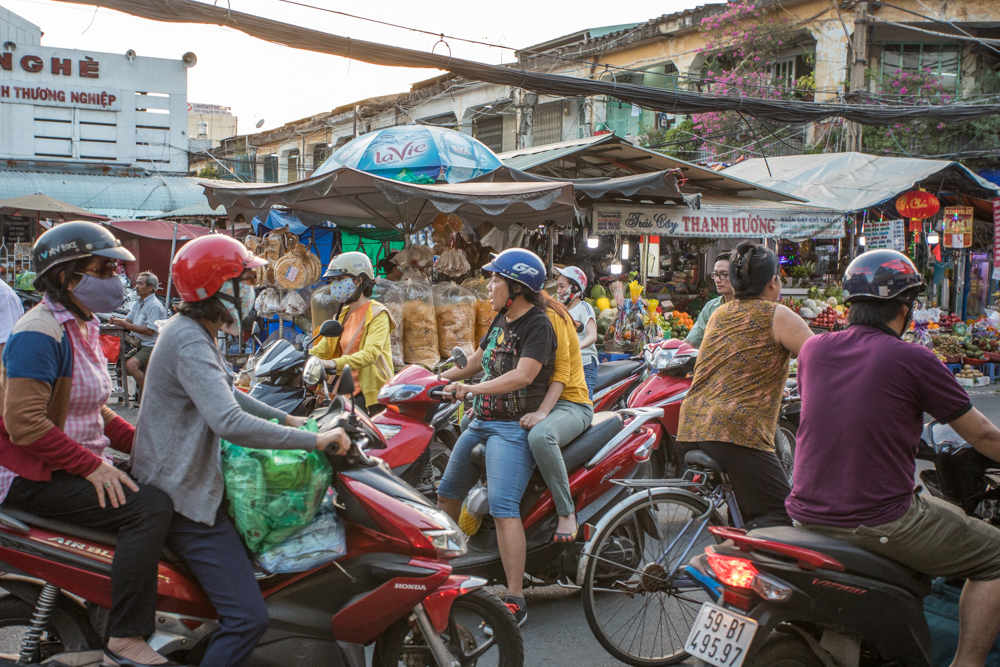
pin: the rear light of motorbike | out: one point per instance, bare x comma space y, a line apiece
731, 570
737, 599
740, 573
642, 452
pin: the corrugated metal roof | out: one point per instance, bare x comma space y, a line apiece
113, 196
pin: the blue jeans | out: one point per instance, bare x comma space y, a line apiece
509, 465
590, 376
218, 560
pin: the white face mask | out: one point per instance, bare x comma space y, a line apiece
342, 290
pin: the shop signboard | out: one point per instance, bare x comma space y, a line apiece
996, 239
958, 226
889, 234
716, 222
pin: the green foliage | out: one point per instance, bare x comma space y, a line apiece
679, 141
210, 172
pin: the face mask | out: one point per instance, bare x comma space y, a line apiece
99, 295
343, 290
565, 295
247, 297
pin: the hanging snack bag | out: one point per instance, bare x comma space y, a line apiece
484, 309
455, 309
392, 296
420, 336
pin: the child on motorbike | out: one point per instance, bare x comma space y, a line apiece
189, 405
517, 359
572, 283
364, 345
56, 426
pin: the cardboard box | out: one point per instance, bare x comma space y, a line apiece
977, 382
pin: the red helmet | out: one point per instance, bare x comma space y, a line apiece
204, 264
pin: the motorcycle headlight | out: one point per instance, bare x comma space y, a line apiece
399, 392
661, 359
447, 538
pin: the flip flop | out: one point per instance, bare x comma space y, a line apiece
566, 538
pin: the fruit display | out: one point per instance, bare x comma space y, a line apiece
828, 319
968, 373
676, 324
949, 346
949, 319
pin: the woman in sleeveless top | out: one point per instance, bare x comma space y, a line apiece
731, 411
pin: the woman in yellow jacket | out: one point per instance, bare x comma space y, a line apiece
565, 413
364, 344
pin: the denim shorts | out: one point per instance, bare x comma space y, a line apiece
509, 465
590, 376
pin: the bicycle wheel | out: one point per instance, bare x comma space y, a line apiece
637, 611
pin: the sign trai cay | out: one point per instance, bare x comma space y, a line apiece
716, 222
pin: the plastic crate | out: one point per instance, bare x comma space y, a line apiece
607, 356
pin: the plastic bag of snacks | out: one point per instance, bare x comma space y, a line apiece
293, 304
322, 541
268, 303
484, 309
420, 336
455, 309
273, 493
392, 296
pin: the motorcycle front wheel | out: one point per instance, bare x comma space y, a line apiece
481, 631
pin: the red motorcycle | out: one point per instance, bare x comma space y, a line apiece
615, 380
395, 587
670, 363
616, 446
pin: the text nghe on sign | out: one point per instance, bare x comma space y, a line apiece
717, 222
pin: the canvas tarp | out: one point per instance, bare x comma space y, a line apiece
350, 198
857, 181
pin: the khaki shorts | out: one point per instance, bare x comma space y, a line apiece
142, 354
933, 537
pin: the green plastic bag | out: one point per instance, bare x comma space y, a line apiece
273, 493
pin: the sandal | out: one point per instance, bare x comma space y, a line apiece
566, 538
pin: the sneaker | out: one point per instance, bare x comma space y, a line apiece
520, 612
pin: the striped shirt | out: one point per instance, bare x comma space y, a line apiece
90, 389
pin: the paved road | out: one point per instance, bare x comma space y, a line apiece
556, 632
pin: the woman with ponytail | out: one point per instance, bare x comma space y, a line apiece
731, 411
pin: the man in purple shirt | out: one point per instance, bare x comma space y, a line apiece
864, 392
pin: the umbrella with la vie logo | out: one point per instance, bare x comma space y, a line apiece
415, 154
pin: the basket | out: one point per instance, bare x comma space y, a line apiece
992, 356
251, 242
953, 360
290, 272
974, 362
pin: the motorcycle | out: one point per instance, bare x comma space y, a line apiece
276, 373
418, 425
615, 380
801, 599
395, 587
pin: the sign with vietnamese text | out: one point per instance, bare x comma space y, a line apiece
889, 234
958, 226
917, 204
996, 237
61, 96
717, 222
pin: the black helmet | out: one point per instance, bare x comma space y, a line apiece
78, 239
881, 275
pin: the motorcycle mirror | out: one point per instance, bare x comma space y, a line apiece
346, 386
331, 329
458, 354
255, 329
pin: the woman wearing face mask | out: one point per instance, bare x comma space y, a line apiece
364, 345
189, 405
572, 283
56, 426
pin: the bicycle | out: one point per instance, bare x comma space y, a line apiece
639, 595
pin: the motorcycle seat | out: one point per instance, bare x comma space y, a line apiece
95, 535
696, 457
578, 451
611, 372
854, 559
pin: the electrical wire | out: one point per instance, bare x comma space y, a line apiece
941, 21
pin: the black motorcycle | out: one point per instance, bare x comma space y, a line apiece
799, 599
275, 373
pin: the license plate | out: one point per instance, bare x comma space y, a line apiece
720, 637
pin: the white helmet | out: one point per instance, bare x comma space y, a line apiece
354, 264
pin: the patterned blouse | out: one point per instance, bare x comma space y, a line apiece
739, 380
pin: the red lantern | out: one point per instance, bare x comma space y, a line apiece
917, 205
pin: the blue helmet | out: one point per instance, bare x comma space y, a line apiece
519, 265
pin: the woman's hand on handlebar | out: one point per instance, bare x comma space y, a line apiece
110, 479
460, 391
335, 437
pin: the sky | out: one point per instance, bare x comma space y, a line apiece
277, 84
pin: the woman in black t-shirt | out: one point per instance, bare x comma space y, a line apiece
516, 357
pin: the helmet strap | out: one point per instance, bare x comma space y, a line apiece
235, 300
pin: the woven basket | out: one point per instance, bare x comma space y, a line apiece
251, 242
290, 272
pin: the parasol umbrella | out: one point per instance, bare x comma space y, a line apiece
42, 207
415, 154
